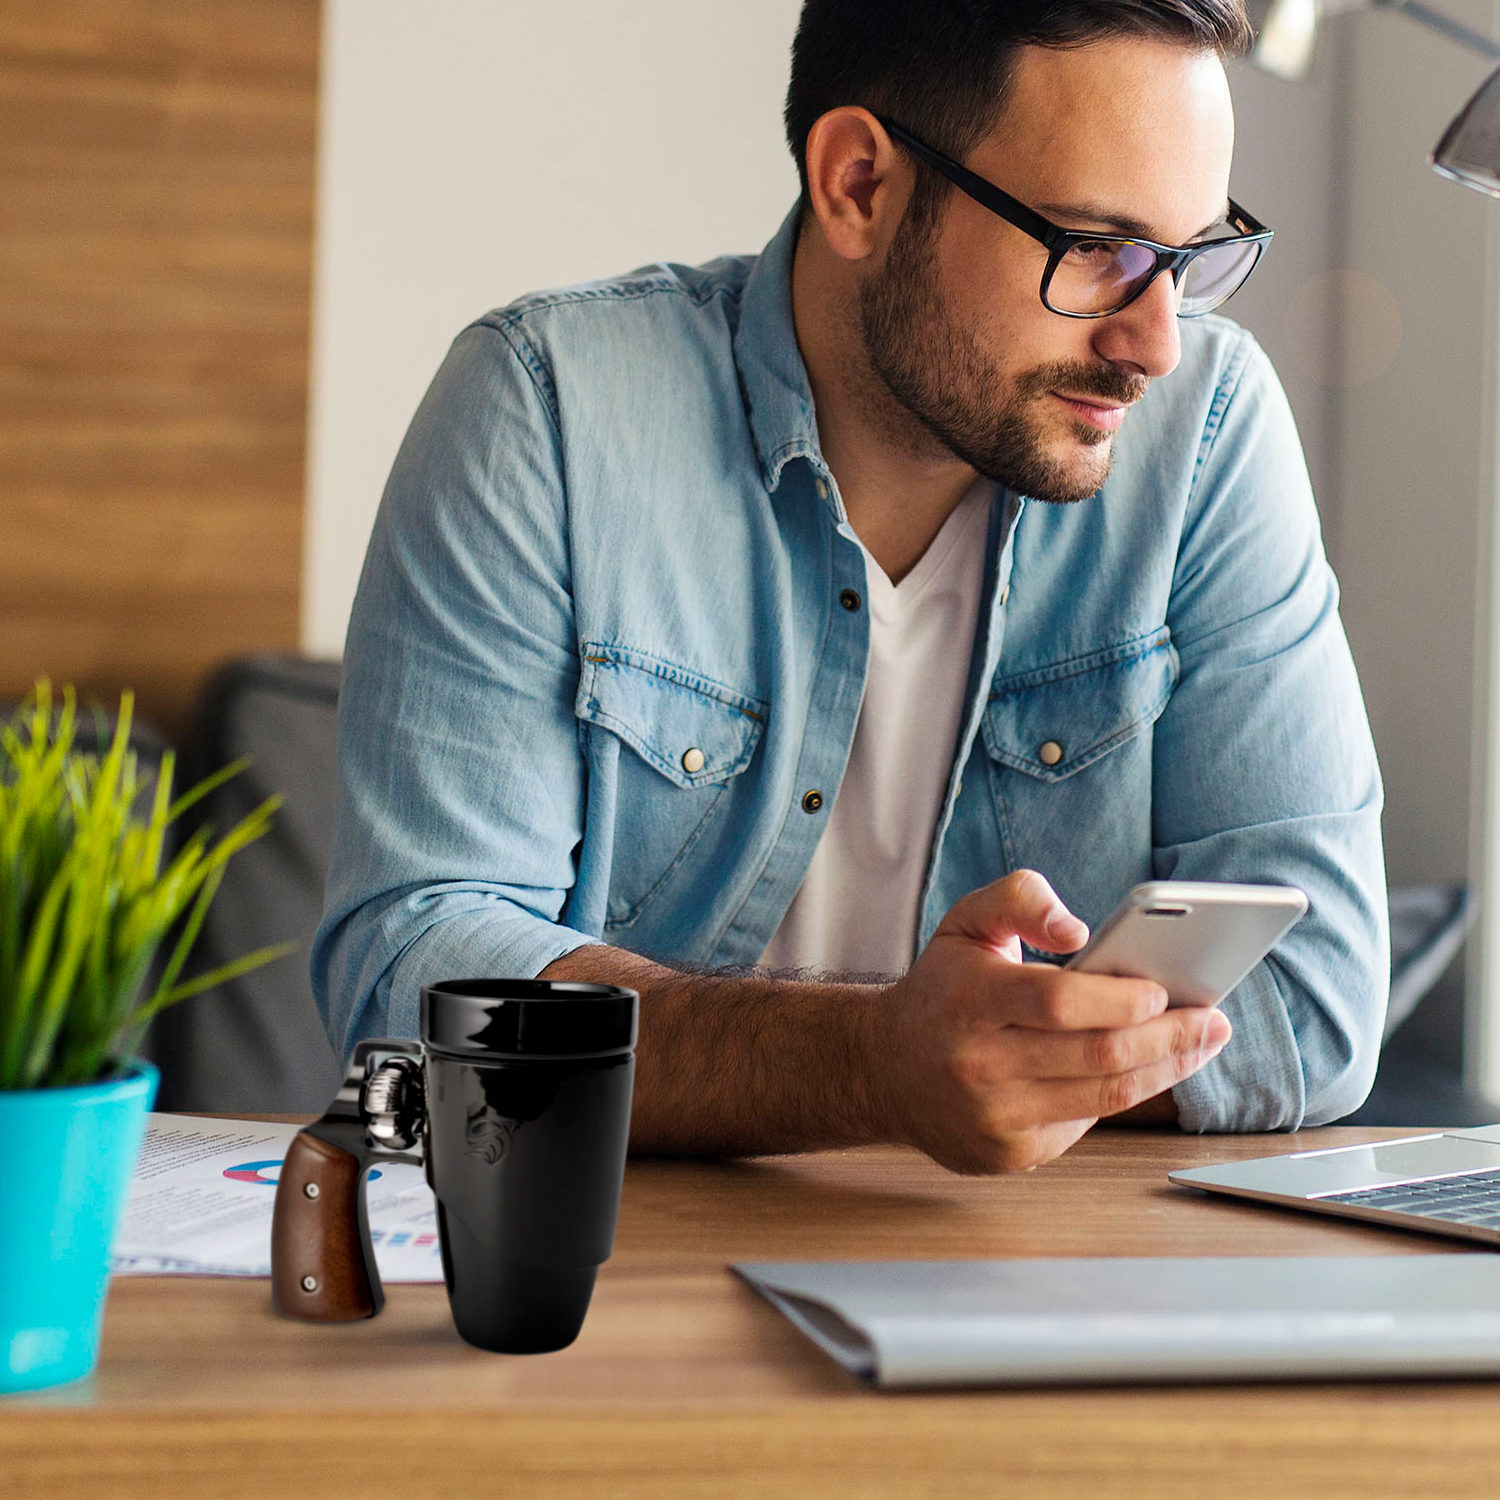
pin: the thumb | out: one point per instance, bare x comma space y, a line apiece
1020, 908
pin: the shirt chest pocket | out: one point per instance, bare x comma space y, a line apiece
664, 744
1070, 749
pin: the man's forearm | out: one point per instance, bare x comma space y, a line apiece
743, 1065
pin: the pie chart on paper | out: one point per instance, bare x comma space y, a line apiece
267, 1173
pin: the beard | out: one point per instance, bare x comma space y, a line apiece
956, 391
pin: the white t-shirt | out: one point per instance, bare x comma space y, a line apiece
857, 908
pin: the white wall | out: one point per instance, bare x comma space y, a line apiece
1402, 440
1418, 474
1286, 172
472, 150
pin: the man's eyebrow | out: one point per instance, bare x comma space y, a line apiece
1102, 216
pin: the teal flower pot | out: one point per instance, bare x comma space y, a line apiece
65, 1161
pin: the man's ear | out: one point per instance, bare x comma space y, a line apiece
857, 181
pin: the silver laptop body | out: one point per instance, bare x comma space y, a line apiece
1445, 1183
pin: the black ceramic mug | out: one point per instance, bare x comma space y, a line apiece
520, 1095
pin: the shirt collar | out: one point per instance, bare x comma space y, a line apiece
773, 379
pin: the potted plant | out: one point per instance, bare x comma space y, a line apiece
97, 919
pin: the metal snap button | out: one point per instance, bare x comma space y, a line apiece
822, 489
692, 760
1050, 753
812, 801
849, 599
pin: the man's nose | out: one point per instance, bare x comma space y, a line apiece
1143, 336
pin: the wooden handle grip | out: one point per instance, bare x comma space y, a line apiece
318, 1267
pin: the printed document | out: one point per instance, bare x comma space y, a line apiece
202, 1192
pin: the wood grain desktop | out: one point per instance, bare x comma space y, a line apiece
685, 1383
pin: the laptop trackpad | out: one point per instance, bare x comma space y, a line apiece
1348, 1168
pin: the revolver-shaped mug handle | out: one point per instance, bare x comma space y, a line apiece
322, 1261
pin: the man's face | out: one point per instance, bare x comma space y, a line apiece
1125, 137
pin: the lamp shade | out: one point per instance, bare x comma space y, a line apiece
1469, 151
1285, 31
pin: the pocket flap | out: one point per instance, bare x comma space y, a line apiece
693, 730
1055, 720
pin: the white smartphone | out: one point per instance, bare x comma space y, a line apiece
1197, 939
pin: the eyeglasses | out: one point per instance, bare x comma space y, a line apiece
1092, 275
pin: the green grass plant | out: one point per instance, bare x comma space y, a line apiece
89, 897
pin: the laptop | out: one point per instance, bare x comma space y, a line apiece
1447, 1182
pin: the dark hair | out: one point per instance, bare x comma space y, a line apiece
940, 67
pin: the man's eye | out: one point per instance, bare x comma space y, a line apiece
1099, 250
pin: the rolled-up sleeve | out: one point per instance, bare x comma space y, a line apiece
1265, 770
461, 802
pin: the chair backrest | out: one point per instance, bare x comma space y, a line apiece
1428, 926
257, 1044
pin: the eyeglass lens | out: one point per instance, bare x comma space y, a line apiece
1098, 276
1215, 275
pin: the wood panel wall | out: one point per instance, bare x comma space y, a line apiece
156, 219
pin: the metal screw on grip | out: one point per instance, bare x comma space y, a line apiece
393, 1104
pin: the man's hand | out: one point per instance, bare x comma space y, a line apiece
998, 1065
985, 1063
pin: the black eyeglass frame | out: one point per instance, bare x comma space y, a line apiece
1058, 241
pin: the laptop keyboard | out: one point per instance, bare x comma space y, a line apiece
1473, 1198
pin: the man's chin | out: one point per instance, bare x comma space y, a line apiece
1070, 477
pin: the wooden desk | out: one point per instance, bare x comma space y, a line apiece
684, 1383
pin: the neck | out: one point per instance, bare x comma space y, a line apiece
898, 482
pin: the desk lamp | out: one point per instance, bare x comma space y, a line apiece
1469, 152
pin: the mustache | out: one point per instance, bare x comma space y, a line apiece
1076, 378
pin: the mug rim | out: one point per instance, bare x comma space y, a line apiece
541, 990
544, 1019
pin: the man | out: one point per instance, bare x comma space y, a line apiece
753, 634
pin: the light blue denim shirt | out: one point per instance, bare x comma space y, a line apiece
610, 538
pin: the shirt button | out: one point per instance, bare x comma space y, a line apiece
1005, 594
849, 599
812, 802
822, 489
692, 760
1050, 753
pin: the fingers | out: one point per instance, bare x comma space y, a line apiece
1114, 1093
1021, 1096
1019, 1151
1049, 999
1021, 905
1191, 1033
